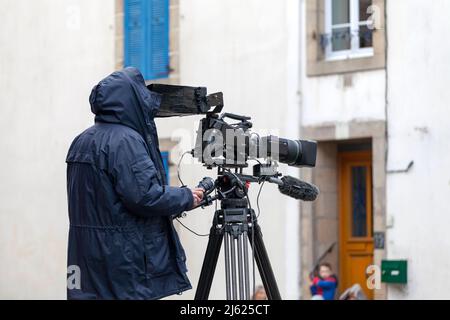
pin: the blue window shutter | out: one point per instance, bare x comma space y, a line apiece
158, 39
165, 158
134, 32
146, 44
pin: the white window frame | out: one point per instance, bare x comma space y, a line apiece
355, 51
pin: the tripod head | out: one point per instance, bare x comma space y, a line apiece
228, 185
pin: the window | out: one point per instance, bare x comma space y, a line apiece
349, 31
359, 201
146, 37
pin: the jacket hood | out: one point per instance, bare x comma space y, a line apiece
123, 98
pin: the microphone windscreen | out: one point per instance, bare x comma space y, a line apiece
298, 189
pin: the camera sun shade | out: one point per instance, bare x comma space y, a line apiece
179, 101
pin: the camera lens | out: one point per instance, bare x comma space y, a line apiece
296, 153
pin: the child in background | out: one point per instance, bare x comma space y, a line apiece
260, 293
325, 283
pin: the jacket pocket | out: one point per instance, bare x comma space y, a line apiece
145, 173
159, 260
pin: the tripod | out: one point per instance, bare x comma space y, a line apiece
235, 224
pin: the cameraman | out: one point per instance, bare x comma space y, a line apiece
122, 239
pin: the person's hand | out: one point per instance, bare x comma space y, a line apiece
197, 193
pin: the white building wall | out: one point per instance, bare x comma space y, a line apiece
329, 99
51, 54
249, 50
419, 131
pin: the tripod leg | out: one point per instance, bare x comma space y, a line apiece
264, 267
227, 265
240, 267
233, 268
209, 264
246, 268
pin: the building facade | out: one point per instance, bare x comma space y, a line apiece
371, 97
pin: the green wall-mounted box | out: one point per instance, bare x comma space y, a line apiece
394, 271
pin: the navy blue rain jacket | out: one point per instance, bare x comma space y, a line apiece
121, 234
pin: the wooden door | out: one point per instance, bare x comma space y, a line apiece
355, 217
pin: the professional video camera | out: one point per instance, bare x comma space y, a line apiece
232, 144
220, 143
229, 146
